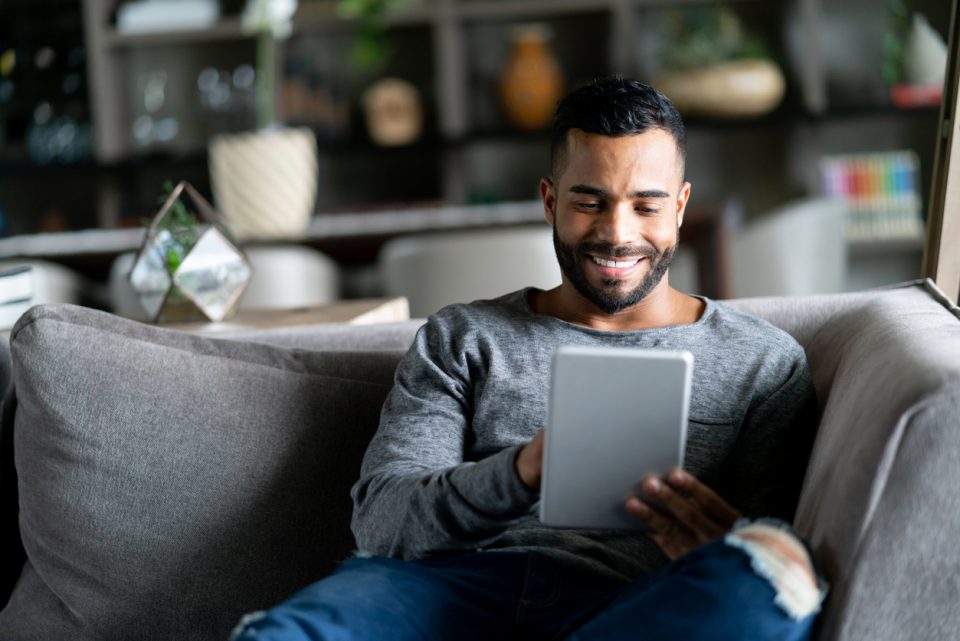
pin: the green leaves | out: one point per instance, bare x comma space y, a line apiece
702, 36
370, 51
183, 227
894, 47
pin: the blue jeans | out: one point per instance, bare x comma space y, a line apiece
711, 594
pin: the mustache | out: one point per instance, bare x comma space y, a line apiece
617, 251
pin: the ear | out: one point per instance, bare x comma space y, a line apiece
682, 197
548, 193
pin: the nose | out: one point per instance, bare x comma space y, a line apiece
620, 226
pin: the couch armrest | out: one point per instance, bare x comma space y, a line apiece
880, 502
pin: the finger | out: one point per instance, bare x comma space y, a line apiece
656, 520
538, 443
672, 539
711, 502
686, 511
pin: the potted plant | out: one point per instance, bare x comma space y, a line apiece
265, 182
915, 58
714, 68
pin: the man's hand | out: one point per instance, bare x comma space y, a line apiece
530, 462
692, 514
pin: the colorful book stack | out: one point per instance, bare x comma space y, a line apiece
16, 294
881, 191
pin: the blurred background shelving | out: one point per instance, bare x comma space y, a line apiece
124, 112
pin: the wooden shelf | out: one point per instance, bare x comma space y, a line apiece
538, 9
314, 17
527, 9
223, 30
322, 227
883, 246
661, 4
228, 29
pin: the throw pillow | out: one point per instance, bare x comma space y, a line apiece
169, 483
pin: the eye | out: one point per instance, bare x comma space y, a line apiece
647, 210
589, 205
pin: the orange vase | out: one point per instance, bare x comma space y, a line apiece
531, 83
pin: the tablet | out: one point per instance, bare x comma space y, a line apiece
615, 416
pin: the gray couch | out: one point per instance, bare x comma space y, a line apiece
166, 483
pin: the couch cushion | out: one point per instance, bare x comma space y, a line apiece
168, 482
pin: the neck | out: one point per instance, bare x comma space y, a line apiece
662, 307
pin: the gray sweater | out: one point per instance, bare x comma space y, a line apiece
439, 474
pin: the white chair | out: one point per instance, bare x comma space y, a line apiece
290, 276
435, 270
284, 277
799, 248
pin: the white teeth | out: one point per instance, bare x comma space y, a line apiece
615, 263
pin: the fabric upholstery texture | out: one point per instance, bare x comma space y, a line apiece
376, 337
169, 483
11, 551
880, 502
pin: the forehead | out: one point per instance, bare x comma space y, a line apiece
650, 157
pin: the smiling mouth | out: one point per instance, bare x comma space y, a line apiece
616, 264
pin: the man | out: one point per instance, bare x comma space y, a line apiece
450, 547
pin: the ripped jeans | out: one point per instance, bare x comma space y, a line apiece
729, 589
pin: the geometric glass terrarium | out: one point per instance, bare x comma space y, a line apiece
188, 268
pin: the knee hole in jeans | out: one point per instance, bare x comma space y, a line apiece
777, 555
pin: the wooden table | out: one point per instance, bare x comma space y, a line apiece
350, 312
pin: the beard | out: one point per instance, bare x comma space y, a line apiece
608, 297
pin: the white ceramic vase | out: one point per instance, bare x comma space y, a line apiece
265, 182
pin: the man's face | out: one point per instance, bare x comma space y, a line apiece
616, 210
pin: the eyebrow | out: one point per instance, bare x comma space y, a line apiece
603, 193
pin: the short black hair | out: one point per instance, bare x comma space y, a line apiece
614, 106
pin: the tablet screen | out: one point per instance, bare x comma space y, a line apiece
616, 415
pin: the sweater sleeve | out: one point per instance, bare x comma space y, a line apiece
416, 494
763, 474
